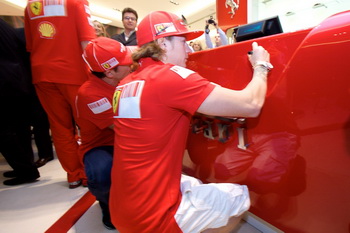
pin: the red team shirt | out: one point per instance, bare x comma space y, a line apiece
94, 109
152, 108
58, 50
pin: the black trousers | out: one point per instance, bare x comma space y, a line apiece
15, 136
41, 128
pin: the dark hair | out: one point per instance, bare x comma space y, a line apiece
102, 74
129, 10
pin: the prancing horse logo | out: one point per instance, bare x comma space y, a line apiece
234, 6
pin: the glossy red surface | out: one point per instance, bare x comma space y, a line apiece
297, 160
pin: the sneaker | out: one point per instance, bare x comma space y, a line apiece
74, 184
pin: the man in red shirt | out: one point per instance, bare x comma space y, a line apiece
109, 61
56, 34
153, 107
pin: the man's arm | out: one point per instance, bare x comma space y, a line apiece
28, 35
244, 103
85, 28
223, 36
208, 41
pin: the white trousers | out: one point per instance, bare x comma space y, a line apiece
206, 206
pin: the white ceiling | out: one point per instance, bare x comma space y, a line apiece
195, 11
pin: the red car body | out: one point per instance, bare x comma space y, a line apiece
296, 154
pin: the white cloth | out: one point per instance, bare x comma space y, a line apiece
206, 206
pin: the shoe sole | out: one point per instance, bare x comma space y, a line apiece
24, 182
75, 184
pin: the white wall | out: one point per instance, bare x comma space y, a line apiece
303, 14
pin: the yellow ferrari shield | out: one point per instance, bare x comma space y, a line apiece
116, 98
36, 8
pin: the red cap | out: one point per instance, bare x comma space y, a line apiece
103, 54
160, 24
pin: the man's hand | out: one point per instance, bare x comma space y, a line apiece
258, 54
207, 27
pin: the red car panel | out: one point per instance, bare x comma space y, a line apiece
295, 157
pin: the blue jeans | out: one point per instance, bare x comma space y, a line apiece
98, 165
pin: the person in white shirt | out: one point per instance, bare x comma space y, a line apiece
220, 37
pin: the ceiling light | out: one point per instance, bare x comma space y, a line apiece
317, 5
173, 2
289, 13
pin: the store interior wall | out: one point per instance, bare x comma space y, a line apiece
293, 14
296, 14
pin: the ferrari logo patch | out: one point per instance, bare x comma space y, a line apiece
116, 98
36, 8
127, 100
46, 8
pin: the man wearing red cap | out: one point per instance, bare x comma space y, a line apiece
56, 33
153, 107
109, 61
